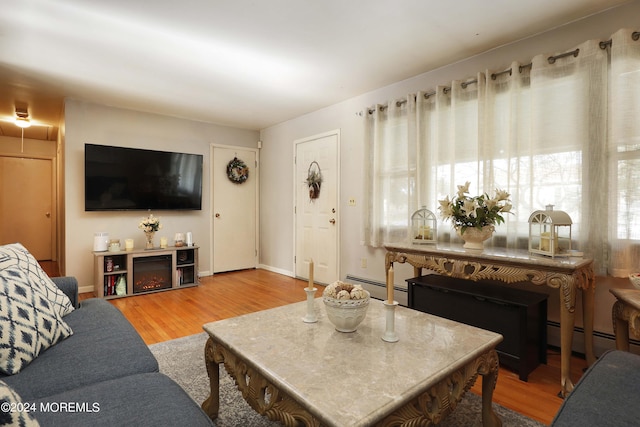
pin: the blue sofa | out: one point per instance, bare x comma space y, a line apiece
606, 395
102, 375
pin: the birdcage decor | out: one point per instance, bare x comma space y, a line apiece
550, 233
423, 227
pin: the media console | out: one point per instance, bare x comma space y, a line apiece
144, 271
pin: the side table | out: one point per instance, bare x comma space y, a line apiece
626, 316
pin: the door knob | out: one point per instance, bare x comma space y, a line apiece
332, 221
48, 214
217, 215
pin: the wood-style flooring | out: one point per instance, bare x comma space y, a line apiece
167, 315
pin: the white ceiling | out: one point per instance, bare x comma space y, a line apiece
243, 63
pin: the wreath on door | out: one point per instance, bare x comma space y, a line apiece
237, 171
314, 180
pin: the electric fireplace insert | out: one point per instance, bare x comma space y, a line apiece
151, 273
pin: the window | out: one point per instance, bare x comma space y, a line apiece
563, 133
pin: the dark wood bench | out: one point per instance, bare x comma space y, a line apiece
519, 315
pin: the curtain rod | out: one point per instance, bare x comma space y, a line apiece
552, 59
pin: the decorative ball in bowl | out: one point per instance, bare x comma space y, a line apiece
346, 305
635, 280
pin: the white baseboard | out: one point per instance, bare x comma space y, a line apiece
85, 289
276, 270
602, 341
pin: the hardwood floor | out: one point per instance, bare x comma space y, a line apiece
50, 267
167, 315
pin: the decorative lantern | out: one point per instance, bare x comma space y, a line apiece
550, 233
423, 227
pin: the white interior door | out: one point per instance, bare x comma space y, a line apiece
317, 222
26, 214
234, 222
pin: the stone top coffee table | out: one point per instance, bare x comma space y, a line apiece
309, 374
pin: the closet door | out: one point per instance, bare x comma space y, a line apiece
234, 211
26, 201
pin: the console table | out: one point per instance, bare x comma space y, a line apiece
568, 275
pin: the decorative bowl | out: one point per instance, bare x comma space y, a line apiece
346, 314
635, 280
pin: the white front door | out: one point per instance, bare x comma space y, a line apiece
317, 219
235, 212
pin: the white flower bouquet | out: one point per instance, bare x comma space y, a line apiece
465, 211
150, 224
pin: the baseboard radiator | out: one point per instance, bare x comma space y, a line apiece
602, 341
378, 290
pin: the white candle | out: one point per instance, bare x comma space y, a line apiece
311, 274
163, 242
390, 285
128, 244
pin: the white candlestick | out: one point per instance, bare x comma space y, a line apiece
390, 280
311, 274
390, 334
311, 314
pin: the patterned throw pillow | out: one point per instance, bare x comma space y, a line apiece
29, 323
13, 411
16, 255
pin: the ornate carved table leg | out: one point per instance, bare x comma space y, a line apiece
567, 323
620, 326
212, 404
489, 378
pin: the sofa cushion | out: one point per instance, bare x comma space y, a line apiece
606, 395
13, 410
29, 323
136, 400
104, 345
16, 255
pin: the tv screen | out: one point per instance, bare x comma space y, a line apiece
119, 178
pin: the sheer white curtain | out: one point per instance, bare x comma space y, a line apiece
558, 131
448, 122
411, 149
624, 153
390, 172
543, 139
506, 147
570, 99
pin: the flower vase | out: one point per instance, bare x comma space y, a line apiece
474, 238
149, 235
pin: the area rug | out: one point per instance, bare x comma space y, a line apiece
182, 359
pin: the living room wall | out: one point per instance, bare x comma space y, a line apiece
98, 124
277, 188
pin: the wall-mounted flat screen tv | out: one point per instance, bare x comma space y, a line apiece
120, 178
